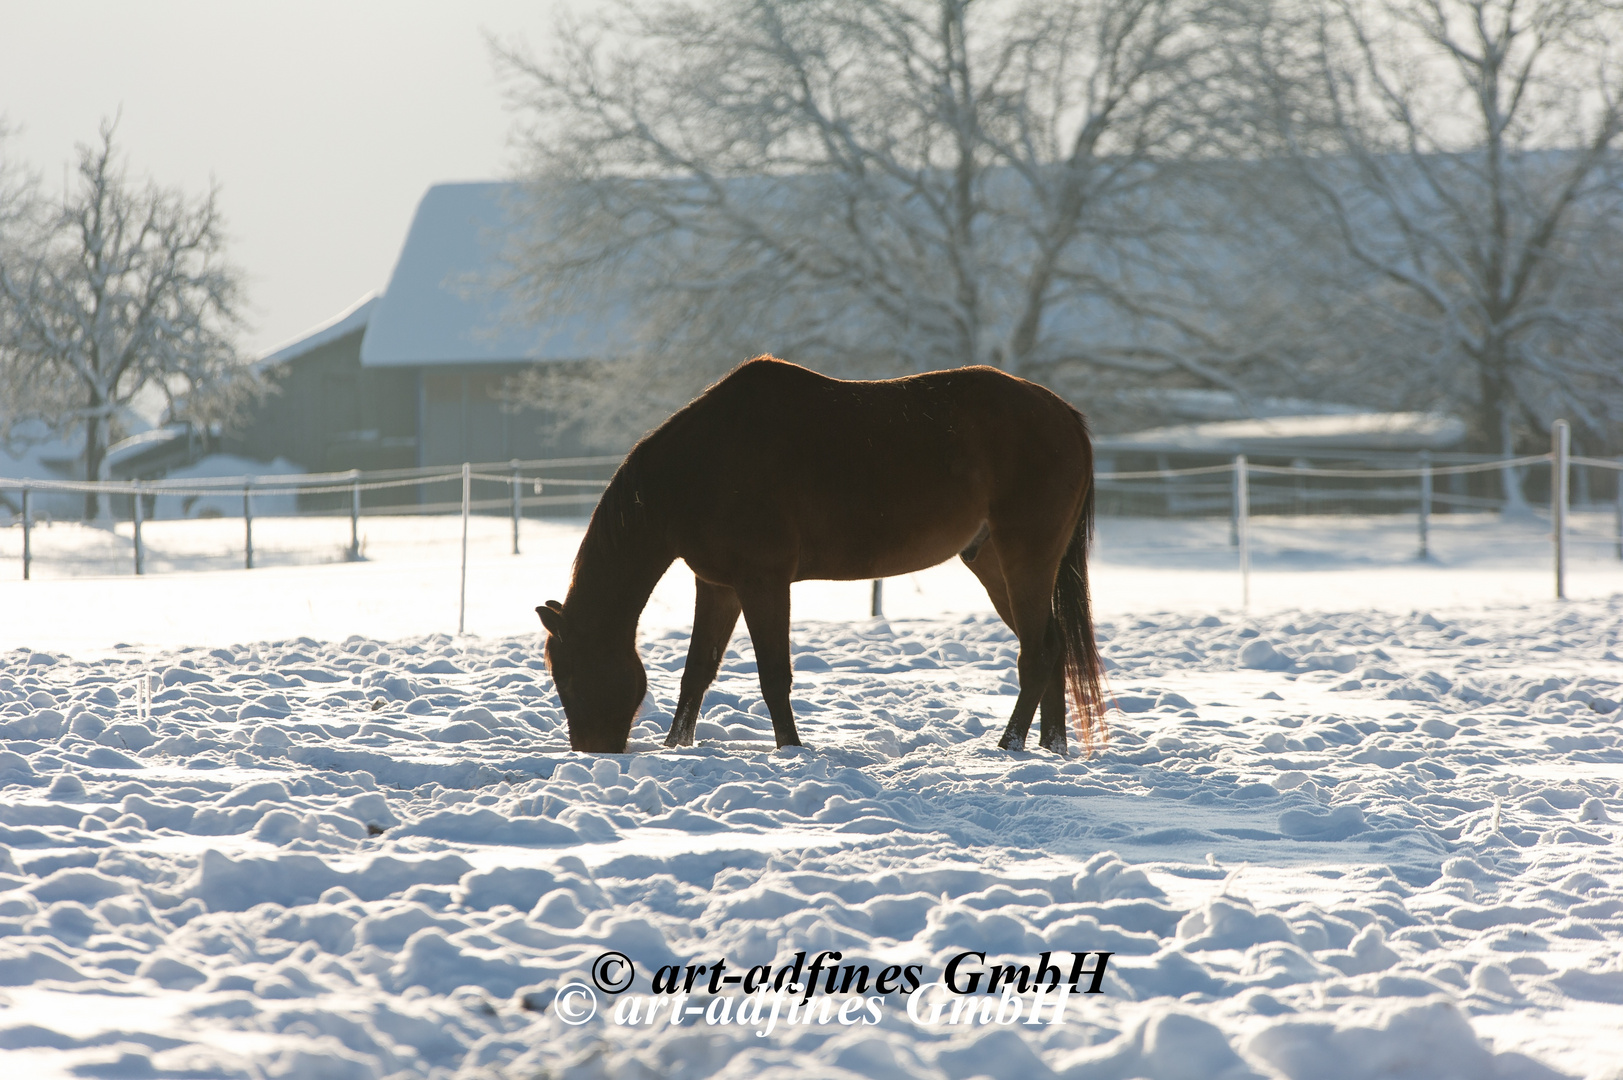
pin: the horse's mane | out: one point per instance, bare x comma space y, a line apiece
621, 513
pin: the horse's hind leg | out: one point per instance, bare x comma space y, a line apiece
1029, 561
982, 560
1036, 663
766, 613
986, 563
1051, 736
715, 613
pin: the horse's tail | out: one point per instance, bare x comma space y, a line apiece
1073, 615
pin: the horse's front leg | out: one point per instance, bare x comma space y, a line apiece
766, 613
715, 613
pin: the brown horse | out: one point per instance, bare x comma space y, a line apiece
778, 474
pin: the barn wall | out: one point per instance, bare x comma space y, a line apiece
329, 414
464, 419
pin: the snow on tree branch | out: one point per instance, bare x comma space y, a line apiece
912, 183
118, 289
1463, 153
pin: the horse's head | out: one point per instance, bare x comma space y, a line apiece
600, 686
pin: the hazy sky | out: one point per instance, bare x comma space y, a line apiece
322, 122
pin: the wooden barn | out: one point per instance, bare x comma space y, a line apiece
413, 377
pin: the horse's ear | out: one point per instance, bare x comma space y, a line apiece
552, 616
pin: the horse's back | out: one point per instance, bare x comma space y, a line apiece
785, 408
864, 478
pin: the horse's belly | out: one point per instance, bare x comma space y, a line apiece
875, 549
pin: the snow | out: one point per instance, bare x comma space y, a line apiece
47, 505
346, 322
279, 823
439, 308
1398, 431
226, 504
407, 583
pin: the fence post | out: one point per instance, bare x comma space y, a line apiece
1242, 512
1234, 506
354, 515
1425, 504
248, 524
1617, 507
28, 526
135, 519
876, 606
1560, 448
518, 503
462, 596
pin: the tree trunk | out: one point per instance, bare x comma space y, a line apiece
1515, 497
1494, 427
95, 451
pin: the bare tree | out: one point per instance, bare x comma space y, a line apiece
18, 204
16, 187
1460, 158
120, 289
862, 183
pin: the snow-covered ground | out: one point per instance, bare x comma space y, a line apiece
1366, 830
84, 596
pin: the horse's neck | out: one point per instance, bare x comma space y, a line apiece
618, 567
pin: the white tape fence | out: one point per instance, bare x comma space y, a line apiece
1455, 495
1446, 491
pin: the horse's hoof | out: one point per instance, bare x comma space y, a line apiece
1012, 744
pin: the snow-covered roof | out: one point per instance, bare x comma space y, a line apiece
439, 307
154, 453
1400, 431
146, 440
1187, 403
346, 322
